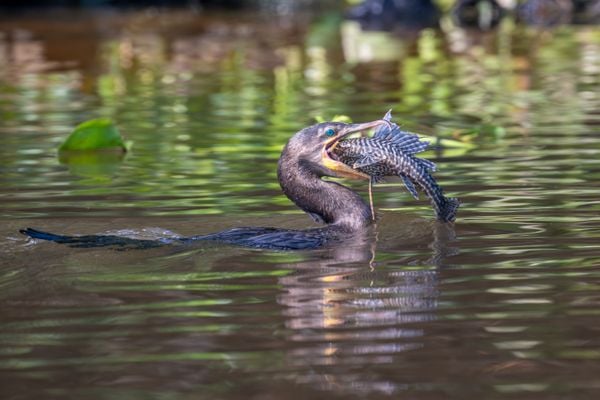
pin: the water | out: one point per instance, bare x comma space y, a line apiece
504, 304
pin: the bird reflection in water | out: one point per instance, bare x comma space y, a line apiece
346, 313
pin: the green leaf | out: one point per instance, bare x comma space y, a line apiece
94, 134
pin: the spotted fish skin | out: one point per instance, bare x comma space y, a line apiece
391, 152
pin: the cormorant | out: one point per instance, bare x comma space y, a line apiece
304, 161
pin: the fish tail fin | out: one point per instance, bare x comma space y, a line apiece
445, 207
447, 210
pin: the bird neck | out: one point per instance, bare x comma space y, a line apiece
333, 203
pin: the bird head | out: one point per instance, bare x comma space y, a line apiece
312, 147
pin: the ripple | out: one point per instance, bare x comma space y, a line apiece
502, 303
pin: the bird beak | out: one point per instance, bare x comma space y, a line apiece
340, 169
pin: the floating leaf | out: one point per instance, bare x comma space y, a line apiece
94, 134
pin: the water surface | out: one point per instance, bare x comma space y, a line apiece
505, 303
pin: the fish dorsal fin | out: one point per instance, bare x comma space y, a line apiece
411, 144
384, 128
408, 142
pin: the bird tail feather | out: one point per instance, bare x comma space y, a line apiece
89, 241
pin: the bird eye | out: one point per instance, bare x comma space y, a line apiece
330, 132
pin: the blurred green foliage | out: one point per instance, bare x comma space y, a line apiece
210, 110
336, 118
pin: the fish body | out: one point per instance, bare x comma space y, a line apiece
392, 152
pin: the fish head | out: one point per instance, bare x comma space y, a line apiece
334, 134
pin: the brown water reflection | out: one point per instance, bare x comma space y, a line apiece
333, 308
342, 313
504, 304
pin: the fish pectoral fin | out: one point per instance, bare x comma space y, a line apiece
406, 141
410, 186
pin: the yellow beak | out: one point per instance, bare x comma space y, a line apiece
342, 170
